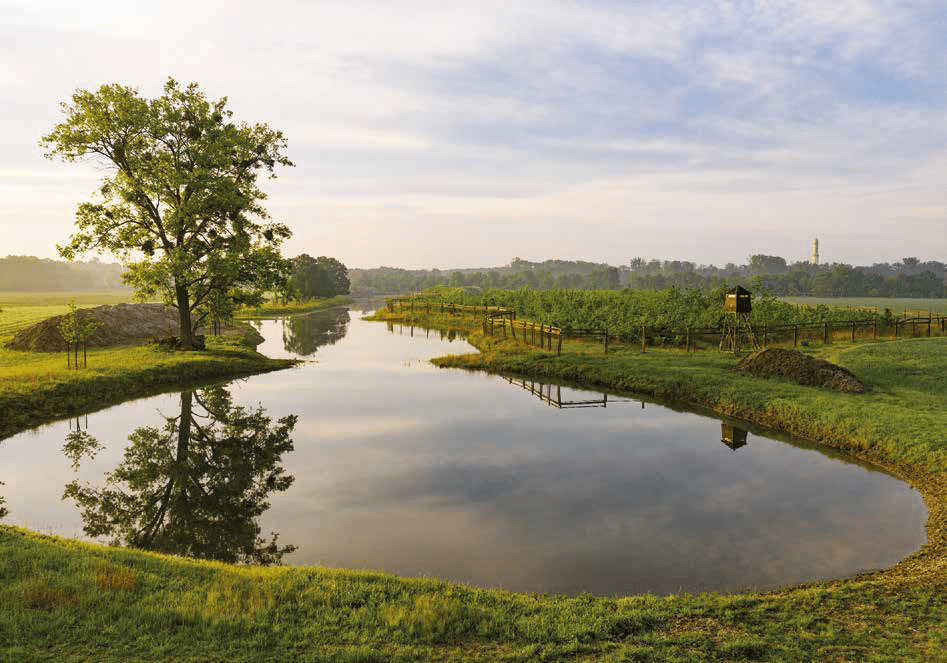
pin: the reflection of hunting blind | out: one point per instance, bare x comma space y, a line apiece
737, 306
732, 436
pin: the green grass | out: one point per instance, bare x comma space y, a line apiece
74, 601
292, 308
896, 304
36, 387
67, 600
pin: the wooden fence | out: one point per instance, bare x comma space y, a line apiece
531, 332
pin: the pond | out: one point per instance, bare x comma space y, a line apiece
392, 464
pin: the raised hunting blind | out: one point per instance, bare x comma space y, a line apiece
738, 300
737, 306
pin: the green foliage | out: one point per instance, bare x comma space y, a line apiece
318, 277
182, 207
623, 312
76, 329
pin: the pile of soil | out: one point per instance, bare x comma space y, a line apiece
801, 368
122, 324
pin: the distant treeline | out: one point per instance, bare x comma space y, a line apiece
30, 274
907, 278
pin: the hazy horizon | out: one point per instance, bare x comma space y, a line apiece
445, 136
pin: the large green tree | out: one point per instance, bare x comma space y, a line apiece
180, 204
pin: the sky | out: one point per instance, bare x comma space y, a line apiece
463, 134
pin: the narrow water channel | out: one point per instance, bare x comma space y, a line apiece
395, 465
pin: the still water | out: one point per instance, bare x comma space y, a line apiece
392, 464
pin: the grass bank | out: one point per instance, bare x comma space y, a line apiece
73, 601
293, 308
37, 387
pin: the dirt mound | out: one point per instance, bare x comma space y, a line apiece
800, 368
122, 324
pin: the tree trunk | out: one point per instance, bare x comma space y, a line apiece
184, 310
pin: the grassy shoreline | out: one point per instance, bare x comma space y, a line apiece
36, 388
77, 601
292, 308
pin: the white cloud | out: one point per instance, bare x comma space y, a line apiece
410, 121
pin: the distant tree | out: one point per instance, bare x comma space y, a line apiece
763, 264
181, 208
319, 277
76, 330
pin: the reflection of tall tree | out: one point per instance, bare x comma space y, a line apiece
304, 334
195, 486
3, 509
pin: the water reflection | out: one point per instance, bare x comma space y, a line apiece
194, 486
409, 330
733, 436
304, 334
551, 394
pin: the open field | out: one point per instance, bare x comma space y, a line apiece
897, 305
22, 309
76, 601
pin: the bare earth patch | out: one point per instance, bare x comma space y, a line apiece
120, 324
802, 369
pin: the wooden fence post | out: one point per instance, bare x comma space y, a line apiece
606, 341
929, 315
853, 332
795, 336
825, 332
642, 340
559, 345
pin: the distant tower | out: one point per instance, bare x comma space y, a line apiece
815, 251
